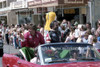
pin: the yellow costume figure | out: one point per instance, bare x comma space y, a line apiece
51, 16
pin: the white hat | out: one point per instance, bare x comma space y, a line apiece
76, 23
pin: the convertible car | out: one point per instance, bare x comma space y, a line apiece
55, 55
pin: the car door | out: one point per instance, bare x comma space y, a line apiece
9, 60
23, 63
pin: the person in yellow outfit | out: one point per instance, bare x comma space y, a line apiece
50, 17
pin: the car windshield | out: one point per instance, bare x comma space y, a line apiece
68, 53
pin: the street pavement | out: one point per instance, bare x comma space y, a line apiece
8, 49
0, 61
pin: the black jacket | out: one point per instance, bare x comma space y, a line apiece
55, 36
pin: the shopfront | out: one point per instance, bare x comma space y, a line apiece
19, 13
68, 14
73, 10
65, 9
24, 16
40, 8
3, 17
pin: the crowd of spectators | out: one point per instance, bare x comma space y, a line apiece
30, 35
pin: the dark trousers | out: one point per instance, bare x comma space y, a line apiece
7, 39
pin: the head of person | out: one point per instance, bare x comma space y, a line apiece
5, 26
97, 34
32, 29
82, 28
94, 39
72, 29
88, 25
18, 26
86, 36
99, 24
64, 23
76, 24
39, 26
62, 27
93, 30
98, 21
54, 25
12, 25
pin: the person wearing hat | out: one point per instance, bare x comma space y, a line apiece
76, 23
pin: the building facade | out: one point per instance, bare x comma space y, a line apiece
93, 12
4, 9
14, 11
34, 11
19, 12
65, 9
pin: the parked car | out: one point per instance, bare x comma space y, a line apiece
57, 55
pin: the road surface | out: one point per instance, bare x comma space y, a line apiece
8, 49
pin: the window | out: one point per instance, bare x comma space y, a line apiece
4, 4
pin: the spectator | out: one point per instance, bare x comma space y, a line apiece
32, 38
98, 37
68, 39
6, 34
64, 23
93, 30
72, 34
96, 44
41, 29
85, 38
54, 33
88, 26
66, 33
76, 31
62, 32
82, 31
98, 29
25, 30
15, 39
79, 39
90, 37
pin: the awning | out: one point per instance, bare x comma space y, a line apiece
42, 3
51, 3
2, 0
4, 11
3, 14
24, 11
35, 3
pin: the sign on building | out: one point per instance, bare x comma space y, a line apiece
74, 1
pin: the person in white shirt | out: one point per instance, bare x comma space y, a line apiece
72, 34
96, 44
82, 32
76, 31
90, 37
85, 38
68, 39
